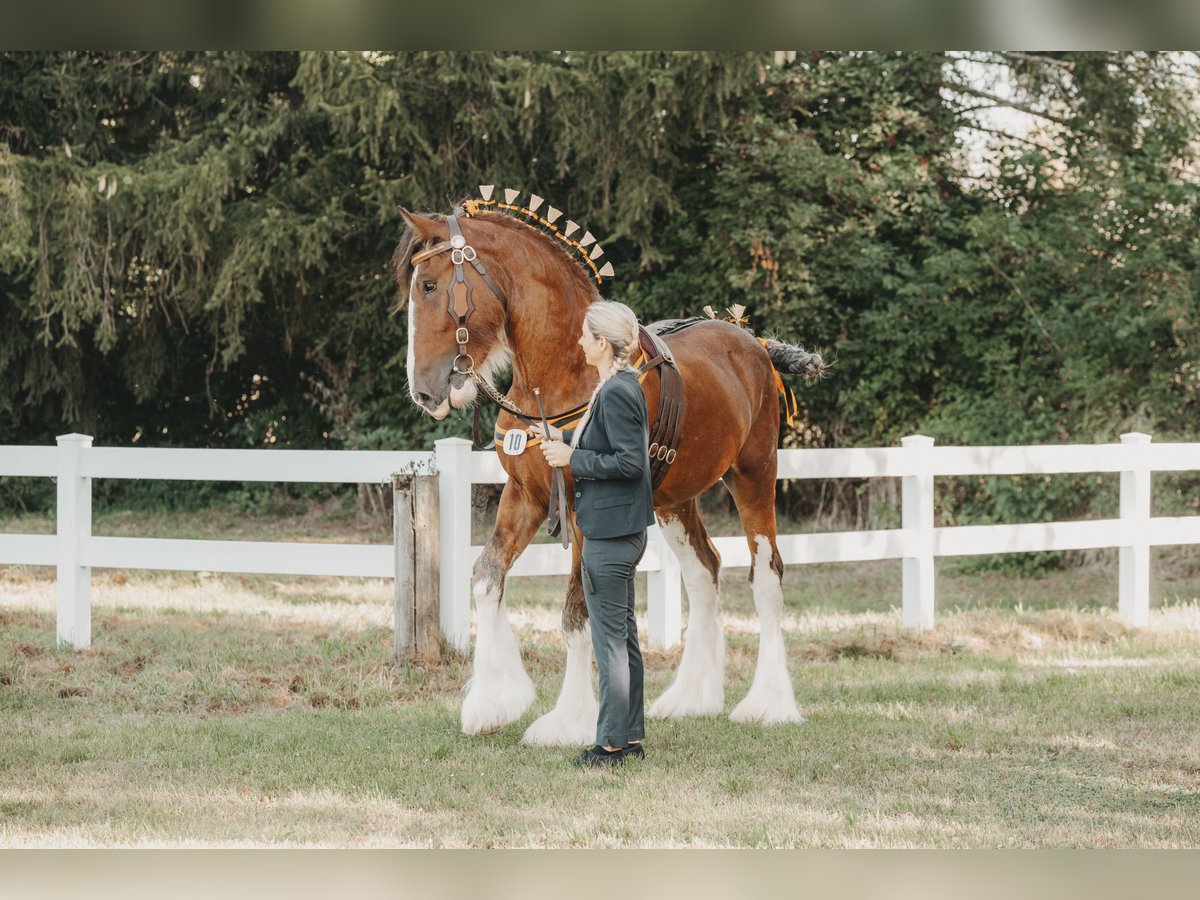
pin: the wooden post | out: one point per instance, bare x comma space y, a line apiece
417, 588
404, 539
426, 527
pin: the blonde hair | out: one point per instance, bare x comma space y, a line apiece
617, 324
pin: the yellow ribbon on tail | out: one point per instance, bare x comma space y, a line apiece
790, 407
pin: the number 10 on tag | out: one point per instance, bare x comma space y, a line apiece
514, 441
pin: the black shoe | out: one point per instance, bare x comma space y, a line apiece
637, 751
598, 756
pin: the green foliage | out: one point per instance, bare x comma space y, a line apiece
194, 246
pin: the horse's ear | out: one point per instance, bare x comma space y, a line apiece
422, 228
419, 230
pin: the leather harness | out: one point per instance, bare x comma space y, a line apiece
665, 433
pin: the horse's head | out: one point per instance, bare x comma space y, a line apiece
456, 315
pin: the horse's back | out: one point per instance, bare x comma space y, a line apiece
728, 386
722, 361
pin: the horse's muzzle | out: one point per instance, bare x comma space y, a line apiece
437, 409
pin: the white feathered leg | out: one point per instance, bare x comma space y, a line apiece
573, 720
499, 690
771, 698
698, 688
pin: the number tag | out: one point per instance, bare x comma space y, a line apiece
514, 441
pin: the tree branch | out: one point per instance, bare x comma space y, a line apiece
1011, 104
1012, 137
1037, 58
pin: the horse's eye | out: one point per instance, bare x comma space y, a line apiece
429, 286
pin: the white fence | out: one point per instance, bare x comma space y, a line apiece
75, 551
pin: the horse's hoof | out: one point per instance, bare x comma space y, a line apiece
776, 711
486, 711
677, 702
558, 729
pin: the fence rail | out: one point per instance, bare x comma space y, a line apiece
75, 551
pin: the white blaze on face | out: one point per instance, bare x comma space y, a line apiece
412, 330
443, 409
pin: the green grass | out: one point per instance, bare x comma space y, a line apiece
225, 711
265, 710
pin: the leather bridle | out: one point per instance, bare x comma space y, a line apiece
460, 305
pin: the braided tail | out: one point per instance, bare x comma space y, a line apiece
792, 360
789, 359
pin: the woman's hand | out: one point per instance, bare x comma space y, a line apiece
535, 430
557, 453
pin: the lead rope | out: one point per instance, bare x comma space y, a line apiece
502, 400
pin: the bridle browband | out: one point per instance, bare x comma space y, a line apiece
460, 306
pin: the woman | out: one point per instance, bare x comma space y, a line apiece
613, 506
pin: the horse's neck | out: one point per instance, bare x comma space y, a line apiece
543, 335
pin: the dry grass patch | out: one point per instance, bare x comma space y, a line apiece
214, 712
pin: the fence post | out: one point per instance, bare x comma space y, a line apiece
1133, 601
404, 540
916, 513
453, 461
74, 580
664, 596
417, 587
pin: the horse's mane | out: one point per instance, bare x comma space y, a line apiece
556, 251
572, 267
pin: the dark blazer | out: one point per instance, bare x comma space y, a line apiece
610, 465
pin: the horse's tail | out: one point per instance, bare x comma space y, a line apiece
789, 359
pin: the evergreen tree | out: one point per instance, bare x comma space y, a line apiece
194, 246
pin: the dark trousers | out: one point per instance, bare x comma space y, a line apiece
609, 565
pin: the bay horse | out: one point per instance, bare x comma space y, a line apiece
524, 299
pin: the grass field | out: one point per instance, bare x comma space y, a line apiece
265, 711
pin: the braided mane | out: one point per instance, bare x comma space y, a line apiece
585, 273
528, 216
580, 276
